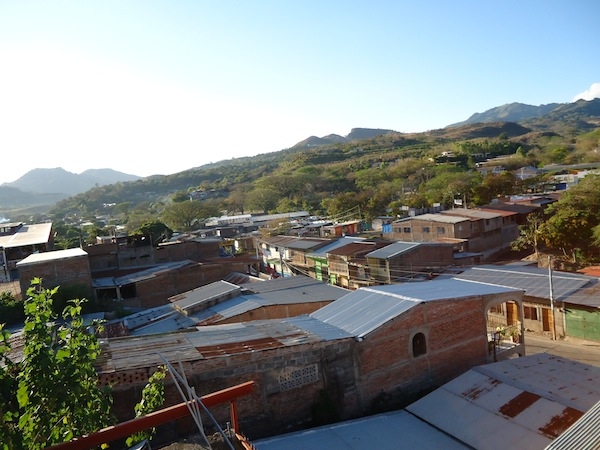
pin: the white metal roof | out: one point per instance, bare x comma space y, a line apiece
389, 431
438, 218
28, 235
472, 213
518, 403
366, 309
392, 250
51, 256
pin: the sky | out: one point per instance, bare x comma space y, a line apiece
157, 87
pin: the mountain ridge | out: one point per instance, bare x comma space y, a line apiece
35, 187
62, 182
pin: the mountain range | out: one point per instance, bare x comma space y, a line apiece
47, 186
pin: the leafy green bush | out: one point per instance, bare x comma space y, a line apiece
11, 309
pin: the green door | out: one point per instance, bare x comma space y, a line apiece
583, 323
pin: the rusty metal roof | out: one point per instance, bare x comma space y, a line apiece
518, 403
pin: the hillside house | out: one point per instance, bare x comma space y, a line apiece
470, 231
320, 261
417, 337
408, 261
491, 231
288, 255
433, 228
348, 228
521, 210
347, 265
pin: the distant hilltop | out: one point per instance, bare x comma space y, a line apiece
356, 134
61, 182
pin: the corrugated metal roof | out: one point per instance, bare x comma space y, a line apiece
586, 296
229, 308
204, 294
146, 316
392, 250
202, 306
52, 256
322, 251
316, 327
472, 213
281, 283
356, 247
438, 218
583, 434
518, 403
502, 212
533, 280
366, 309
392, 430
28, 235
141, 275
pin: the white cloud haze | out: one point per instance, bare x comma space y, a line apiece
592, 93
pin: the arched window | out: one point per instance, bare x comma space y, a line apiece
419, 346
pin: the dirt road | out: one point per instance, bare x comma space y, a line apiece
587, 352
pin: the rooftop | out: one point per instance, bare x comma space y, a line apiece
442, 218
28, 235
517, 403
534, 281
51, 256
364, 310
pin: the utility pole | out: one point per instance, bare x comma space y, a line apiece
551, 298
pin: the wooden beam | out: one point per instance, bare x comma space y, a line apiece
154, 419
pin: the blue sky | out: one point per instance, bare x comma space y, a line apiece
148, 87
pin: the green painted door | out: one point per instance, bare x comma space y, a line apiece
583, 323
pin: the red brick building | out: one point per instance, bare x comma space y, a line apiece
65, 268
373, 349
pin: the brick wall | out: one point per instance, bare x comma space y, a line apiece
67, 272
390, 376
302, 385
275, 312
194, 250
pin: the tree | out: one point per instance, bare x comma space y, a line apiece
263, 199
185, 216
52, 395
529, 233
574, 218
55, 394
157, 230
236, 201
